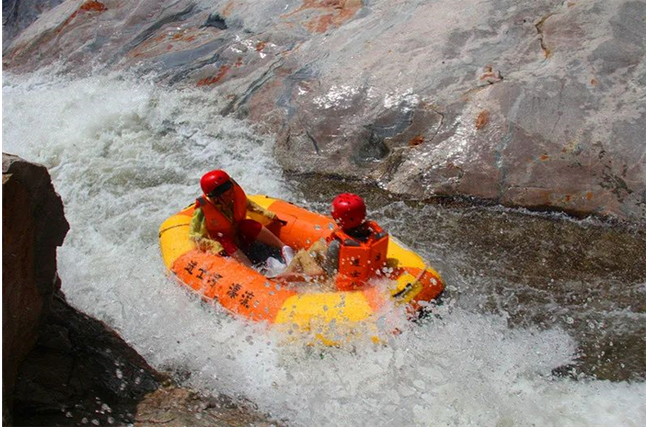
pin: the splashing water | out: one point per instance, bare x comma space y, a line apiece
125, 154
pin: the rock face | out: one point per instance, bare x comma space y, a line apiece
33, 226
19, 14
82, 373
536, 103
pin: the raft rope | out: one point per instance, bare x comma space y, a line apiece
173, 227
410, 285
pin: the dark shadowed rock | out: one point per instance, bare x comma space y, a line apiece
80, 372
33, 226
535, 103
59, 365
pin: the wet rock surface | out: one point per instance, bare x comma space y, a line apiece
57, 362
549, 271
538, 104
81, 373
175, 406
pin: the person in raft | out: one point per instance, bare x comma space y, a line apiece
355, 251
219, 224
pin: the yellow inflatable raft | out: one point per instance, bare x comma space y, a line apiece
247, 293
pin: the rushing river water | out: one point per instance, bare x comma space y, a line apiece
542, 323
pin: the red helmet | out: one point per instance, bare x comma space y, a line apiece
348, 210
214, 180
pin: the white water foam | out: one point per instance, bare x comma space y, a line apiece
125, 154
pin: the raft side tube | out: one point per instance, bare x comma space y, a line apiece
173, 240
341, 307
302, 228
235, 287
332, 318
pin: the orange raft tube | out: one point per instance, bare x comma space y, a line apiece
246, 292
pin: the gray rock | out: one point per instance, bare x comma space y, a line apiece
19, 14
535, 103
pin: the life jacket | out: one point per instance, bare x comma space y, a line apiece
218, 221
359, 259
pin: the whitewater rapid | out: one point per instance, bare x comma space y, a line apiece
125, 154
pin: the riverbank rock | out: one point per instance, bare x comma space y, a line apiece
534, 103
33, 226
81, 373
173, 406
60, 367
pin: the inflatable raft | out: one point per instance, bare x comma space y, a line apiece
247, 293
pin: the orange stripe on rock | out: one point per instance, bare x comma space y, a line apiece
93, 5
215, 79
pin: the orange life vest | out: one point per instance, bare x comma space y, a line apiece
359, 259
220, 223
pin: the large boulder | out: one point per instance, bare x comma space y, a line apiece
535, 103
82, 373
33, 226
56, 361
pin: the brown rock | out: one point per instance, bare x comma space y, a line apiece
181, 407
482, 119
33, 225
